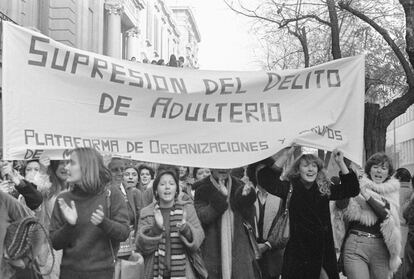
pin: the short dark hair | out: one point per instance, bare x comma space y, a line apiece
157, 181
165, 167
146, 167
379, 158
403, 175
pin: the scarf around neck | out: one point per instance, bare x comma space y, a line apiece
359, 210
178, 257
227, 230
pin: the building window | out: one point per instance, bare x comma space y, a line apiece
407, 152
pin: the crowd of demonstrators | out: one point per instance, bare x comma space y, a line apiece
182, 219
173, 62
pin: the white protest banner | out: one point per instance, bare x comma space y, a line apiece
57, 98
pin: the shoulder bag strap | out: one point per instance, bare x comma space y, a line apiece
289, 196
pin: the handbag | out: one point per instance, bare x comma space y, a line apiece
22, 245
252, 240
197, 263
133, 267
280, 230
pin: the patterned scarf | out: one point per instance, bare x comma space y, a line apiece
178, 258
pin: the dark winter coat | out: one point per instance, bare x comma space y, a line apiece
311, 244
408, 264
210, 204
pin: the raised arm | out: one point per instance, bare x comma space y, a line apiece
349, 186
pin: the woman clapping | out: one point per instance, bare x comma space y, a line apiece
169, 231
80, 223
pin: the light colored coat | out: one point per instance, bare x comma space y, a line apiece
359, 210
147, 244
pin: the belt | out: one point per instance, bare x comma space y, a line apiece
365, 234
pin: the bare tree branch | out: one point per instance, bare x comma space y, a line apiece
287, 21
251, 14
406, 66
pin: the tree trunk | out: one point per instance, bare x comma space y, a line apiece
408, 6
375, 130
333, 17
304, 43
336, 54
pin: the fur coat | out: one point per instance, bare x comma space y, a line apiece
359, 210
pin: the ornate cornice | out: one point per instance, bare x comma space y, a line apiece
114, 7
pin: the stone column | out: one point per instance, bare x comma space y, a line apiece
114, 11
133, 43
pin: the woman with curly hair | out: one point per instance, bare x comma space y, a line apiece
310, 251
373, 243
145, 176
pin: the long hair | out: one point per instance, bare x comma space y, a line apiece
23, 168
58, 184
324, 185
95, 176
